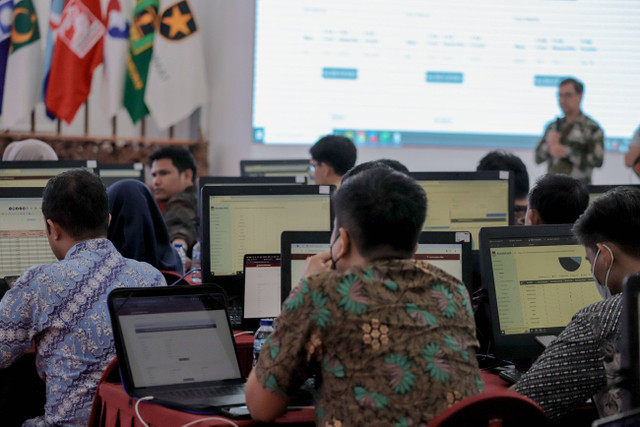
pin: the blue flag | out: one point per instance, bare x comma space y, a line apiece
54, 21
6, 20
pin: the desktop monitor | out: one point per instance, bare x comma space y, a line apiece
630, 351
251, 180
23, 239
467, 201
37, 173
240, 220
537, 278
596, 191
448, 250
276, 167
113, 172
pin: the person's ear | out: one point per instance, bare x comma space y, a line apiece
605, 254
188, 175
343, 244
533, 217
53, 230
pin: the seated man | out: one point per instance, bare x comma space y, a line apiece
391, 340
504, 161
578, 363
174, 175
61, 307
331, 157
556, 199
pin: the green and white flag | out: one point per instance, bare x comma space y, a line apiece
24, 65
141, 36
176, 86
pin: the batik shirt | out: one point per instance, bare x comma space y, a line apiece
62, 308
390, 343
580, 363
585, 142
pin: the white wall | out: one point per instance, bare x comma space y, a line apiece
229, 43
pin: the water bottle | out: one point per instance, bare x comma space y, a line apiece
182, 254
196, 276
263, 332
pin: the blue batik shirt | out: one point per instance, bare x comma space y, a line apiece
62, 309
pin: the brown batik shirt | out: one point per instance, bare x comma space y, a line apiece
390, 343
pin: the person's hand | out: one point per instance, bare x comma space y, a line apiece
317, 263
556, 149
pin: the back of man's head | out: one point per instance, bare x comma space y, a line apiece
383, 211
384, 163
558, 199
504, 161
337, 151
181, 158
613, 217
76, 200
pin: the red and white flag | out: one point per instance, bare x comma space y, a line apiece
77, 54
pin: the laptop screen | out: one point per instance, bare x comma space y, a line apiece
466, 201
37, 173
262, 295
23, 238
249, 220
537, 278
158, 335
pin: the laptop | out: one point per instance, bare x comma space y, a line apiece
176, 344
262, 294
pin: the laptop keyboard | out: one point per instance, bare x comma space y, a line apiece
204, 392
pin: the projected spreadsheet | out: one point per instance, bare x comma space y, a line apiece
540, 285
242, 225
407, 72
23, 240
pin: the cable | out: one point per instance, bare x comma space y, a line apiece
211, 419
184, 275
138, 411
242, 333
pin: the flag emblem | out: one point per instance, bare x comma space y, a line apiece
25, 26
79, 29
141, 33
118, 25
6, 18
177, 22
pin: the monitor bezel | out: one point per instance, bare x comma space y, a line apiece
248, 190
519, 347
272, 162
137, 166
603, 188
251, 180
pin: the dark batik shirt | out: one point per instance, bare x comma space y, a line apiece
391, 343
580, 363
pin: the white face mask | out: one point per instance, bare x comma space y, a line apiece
604, 290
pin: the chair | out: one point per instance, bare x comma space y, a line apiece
493, 409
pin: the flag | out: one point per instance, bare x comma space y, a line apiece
176, 85
24, 65
78, 51
141, 36
55, 14
116, 48
6, 21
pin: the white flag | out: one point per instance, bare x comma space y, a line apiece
24, 65
116, 48
176, 85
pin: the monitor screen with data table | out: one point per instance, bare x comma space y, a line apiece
537, 278
110, 173
23, 238
37, 173
240, 220
467, 201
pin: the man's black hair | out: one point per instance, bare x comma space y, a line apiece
577, 84
181, 158
503, 161
559, 199
337, 151
381, 209
613, 217
76, 200
380, 163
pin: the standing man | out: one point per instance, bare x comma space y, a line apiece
174, 173
61, 308
573, 144
331, 157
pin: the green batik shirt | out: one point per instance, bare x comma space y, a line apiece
390, 343
586, 149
